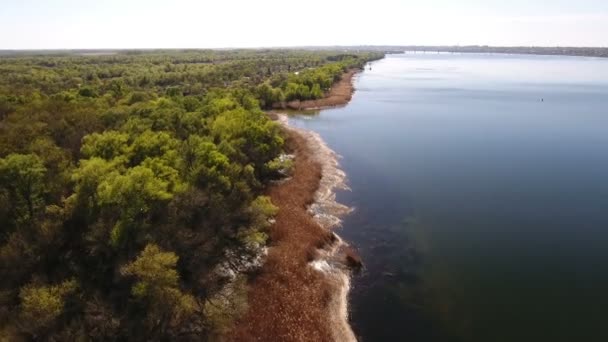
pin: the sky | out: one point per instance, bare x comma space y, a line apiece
86, 24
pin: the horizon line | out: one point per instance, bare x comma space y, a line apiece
305, 46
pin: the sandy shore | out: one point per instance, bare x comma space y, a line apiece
300, 292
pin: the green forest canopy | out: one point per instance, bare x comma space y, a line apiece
125, 180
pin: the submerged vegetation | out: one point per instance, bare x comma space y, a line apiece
131, 186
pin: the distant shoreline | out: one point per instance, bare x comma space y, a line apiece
599, 52
589, 51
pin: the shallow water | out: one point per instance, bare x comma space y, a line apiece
480, 184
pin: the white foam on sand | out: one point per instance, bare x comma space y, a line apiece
327, 212
325, 209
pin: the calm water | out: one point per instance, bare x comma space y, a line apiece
480, 184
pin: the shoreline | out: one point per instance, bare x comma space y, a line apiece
339, 94
300, 293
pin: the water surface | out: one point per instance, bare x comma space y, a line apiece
480, 184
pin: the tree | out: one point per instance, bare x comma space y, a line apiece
118, 88
107, 145
87, 92
191, 103
277, 95
316, 92
131, 196
157, 286
291, 91
57, 162
42, 304
260, 211
89, 175
138, 96
265, 95
303, 92
164, 170
151, 144
22, 176
205, 165
248, 137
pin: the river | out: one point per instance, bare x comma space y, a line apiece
480, 188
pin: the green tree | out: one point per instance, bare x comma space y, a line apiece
42, 304
260, 211
87, 92
107, 145
316, 92
265, 95
151, 144
191, 103
166, 172
205, 165
248, 137
157, 286
89, 175
131, 196
22, 176
118, 88
58, 163
292, 91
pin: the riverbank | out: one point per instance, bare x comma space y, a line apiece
340, 94
301, 291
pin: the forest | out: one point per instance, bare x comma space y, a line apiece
131, 186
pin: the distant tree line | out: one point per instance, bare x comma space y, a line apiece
526, 50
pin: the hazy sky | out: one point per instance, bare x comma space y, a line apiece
26, 24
